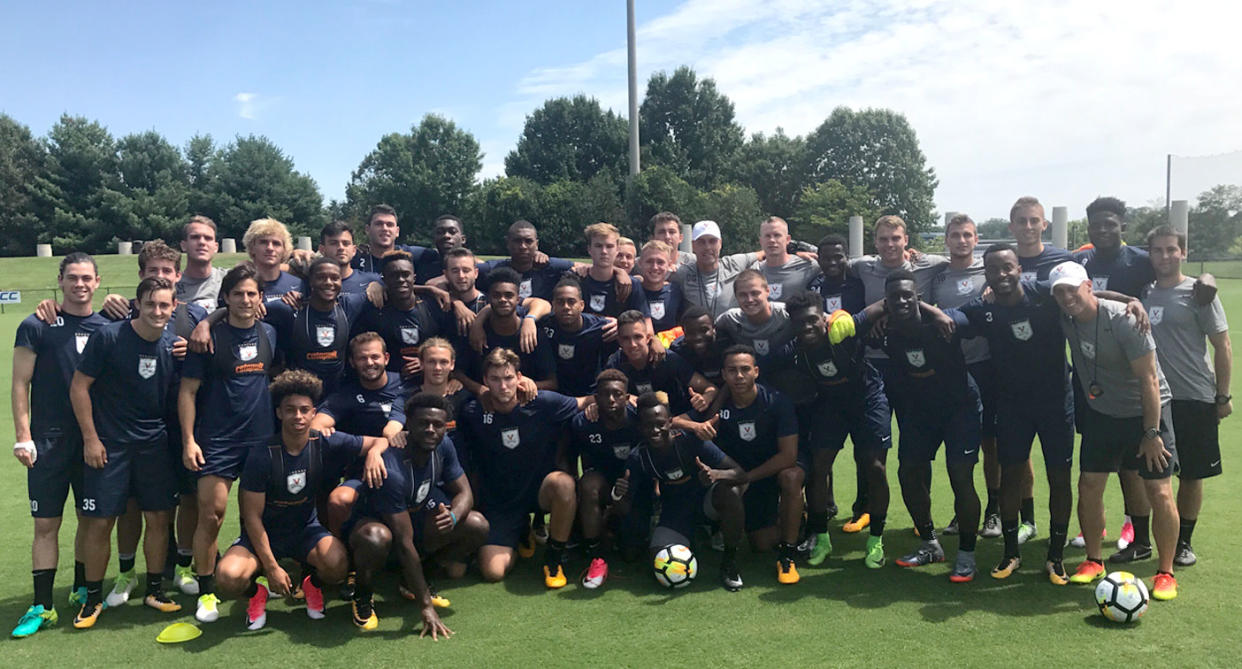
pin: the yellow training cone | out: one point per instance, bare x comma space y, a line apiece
179, 632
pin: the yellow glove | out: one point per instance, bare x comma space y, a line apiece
840, 326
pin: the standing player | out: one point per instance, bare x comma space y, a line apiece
269, 244
663, 298
1201, 399
336, 241
405, 321
602, 285
200, 282
460, 272
124, 441
672, 375
507, 323
447, 233
537, 272
756, 322
49, 443
708, 282
666, 227
785, 274
1027, 225
382, 235
627, 255
575, 339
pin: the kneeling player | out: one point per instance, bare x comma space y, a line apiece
423, 511
279, 519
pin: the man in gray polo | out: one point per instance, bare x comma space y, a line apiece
786, 274
708, 282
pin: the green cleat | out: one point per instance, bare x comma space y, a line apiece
35, 619
875, 553
77, 597
823, 546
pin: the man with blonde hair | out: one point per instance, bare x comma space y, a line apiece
269, 244
786, 274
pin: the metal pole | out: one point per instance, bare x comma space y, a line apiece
633, 58
1060, 227
1168, 188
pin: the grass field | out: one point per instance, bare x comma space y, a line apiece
840, 614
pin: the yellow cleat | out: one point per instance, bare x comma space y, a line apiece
526, 547
87, 616
1087, 572
1056, 573
1007, 567
1164, 587
364, 615
787, 571
162, 603
857, 524
555, 580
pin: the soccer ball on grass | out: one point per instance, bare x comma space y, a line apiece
675, 566
1122, 597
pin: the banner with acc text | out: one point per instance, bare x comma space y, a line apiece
10, 297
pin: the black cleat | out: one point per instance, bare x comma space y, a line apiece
1132, 553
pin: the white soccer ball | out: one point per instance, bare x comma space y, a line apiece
675, 566
1122, 597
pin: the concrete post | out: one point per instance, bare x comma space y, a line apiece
1179, 216
856, 236
43, 250
1060, 227
125, 248
304, 243
686, 229
228, 245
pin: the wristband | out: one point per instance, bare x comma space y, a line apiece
454, 517
528, 316
27, 446
615, 497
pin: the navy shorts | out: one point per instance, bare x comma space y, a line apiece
57, 468
1110, 443
509, 521
762, 502
892, 379
225, 459
984, 375
683, 507
143, 471
292, 545
187, 480
1198, 439
1018, 421
922, 432
826, 424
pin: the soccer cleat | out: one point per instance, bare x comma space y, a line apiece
857, 524
718, 541
596, 574
35, 619
927, 553
730, 576
351, 581
786, 571
1079, 542
1164, 587
208, 608
1007, 567
437, 600
185, 581
161, 602
820, 549
77, 597
364, 614
1185, 556
991, 527
256, 608
1056, 572
526, 546
88, 615
1131, 553
963, 568
314, 599
124, 585
554, 580
832, 511
951, 528
1026, 532
1127, 535
875, 552
1087, 572
539, 529
808, 544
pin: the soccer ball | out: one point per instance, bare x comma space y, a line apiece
1122, 597
675, 566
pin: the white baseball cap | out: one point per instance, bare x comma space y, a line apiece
705, 228
1068, 273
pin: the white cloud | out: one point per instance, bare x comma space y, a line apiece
1058, 99
251, 105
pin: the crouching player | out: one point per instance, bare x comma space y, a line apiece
279, 518
422, 511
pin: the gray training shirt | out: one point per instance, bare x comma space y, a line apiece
766, 338
713, 291
872, 273
1106, 359
203, 292
1180, 327
788, 279
952, 288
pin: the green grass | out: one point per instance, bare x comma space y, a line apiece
841, 614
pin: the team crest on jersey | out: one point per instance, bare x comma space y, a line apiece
674, 474
386, 407
510, 437
1028, 276
762, 347
80, 339
775, 290
524, 289
746, 430
565, 351
598, 302
657, 309
642, 388
247, 352
1155, 315
621, 451
1088, 349
295, 482
965, 287
827, 368
1022, 329
423, 489
325, 334
833, 303
146, 366
916, 358
409, 334
1099, 283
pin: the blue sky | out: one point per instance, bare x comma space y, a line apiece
1057, 99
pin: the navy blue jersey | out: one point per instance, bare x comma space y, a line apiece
848, 294
363, 411
664, 305
931, 371
601, 297
1037, 267
1027, 344
514, 451
536, 281
749, 434
291, 482
373, 264
317, 341
58, 349
356, 283
1128, 272
538, 364
409, 485
709, 364
603, 450
674, 467
579, 355
672, 376
404, 330
274, 290
233, 404
427, 265
838, 371
132, 380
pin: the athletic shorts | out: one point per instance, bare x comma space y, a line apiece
761, 502
187, 480
826, 424
291, 545
225, 459
1110, 443
922, 431
683, 507
1198, 439
57, 468
891, 378
1019, 421
426, 511
509, 521
143, 471
984, 375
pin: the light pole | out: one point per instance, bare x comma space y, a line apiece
633, 58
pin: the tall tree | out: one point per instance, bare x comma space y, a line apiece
774, 165
200, 152
826, 207
23, 163
425, 173
569, 138
82, 192
877, 150
156, 180
687, 125
496, 205
252, 178
1215, 221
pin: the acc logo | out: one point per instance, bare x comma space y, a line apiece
657, 309
916, 358
146, 366
409, 334
325, 334
1088, 349
80, 339
1022, 329
1155, 314
746, 430
295, 482
598, 302
827, 368
761, 346
247, 352
833, 303
423, 489
565, 351
524, 289
511, 437
621, 451
775, 290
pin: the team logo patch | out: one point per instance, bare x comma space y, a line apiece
325, 334
1028, 276
621, 451
833, 303
657, 309
1099, 283
80, 339
511, 437
409, 334
386, 407
146, 366
775, 290
965, 287
761, 346
916, 358
1088, 349
827, 368
642, 388
247, 352
598, 302
746, 430
1155, 315
1022, 329
295, 482
674, 474
524, 289
423, 489
565, 351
